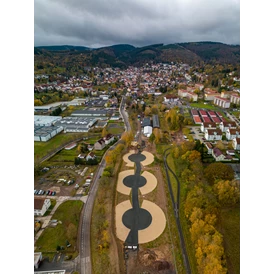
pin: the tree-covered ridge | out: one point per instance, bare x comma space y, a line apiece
62, 48
127, 55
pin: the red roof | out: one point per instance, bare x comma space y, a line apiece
197, 120
194, 112
203, 113
216, 119
219, 114
206, 119
211, 113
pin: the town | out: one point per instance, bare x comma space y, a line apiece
92, 127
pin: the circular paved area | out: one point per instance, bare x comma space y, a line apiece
151, 220
150, 233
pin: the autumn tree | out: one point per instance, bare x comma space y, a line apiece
176, 152
158, 135
147, 111
154, 109
174, 119
187, 146
218, 171
193, 155
151, 138
110, 157
38, 102
227, 192
104, 132
163, 107
200, 196
187, 176
230, 145
220, 145
127, 137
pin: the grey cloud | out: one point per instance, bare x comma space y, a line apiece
138, 22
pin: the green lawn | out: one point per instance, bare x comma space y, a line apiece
43, 148
69, 214
116, 130
229, 226
205, 106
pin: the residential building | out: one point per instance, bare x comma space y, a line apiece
209, 147
236, 143
170, 98
147, 131
224, 125
213, 134
37, 259
232, 133
41, 205
100, 144
208, 125
91, 156
221, 102
108, 138
235, 99
219, 156
188, 94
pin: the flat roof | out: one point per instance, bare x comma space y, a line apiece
203, 113
194, 112
45, 130
44, 119
211, 113
155, 120
216, 119
206, 119
197, 119
76, 122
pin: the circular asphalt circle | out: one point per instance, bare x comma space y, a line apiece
142, 220
136, 157
131, 181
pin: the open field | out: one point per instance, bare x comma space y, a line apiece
205, 106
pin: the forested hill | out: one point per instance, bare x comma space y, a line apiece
62, 48
125, 55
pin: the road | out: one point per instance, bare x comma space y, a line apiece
85, 254
84, 241
84, 258
176, 212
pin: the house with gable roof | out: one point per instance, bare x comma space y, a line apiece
209, 147
100, 144
219, 156
224, 125
108, 138
207, 125
213, 134
41, 205
232, 133
91, 156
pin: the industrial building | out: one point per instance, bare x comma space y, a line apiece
43, 120
76, 124
45, 133
92, 113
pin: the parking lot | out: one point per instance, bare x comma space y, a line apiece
61, 181
197, 134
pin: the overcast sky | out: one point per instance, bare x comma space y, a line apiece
96, 23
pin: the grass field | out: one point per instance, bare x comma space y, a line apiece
229, 226
205, 106
43, 148
69, 214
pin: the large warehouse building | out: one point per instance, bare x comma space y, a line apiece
44, 128
76, 124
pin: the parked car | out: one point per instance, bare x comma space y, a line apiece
47, 193
53, 193
36, 192
43, 192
